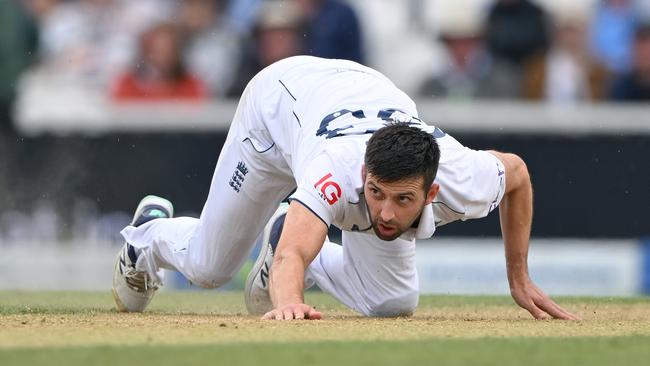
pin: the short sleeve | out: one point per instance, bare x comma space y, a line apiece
320, 189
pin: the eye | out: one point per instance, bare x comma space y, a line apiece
404, 199
374, 191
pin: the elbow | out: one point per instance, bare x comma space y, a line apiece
521, 169
520, 174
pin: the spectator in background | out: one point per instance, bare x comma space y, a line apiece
516, 31
88, 42
159, 72
469, 71
612, 31
17, 45
635, 84
212, 48
567, 73
333, 30
277, 34
17, 41
242, 14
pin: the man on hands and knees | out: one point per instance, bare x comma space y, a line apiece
350, 146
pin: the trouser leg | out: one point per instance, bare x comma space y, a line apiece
371, 276
247, 186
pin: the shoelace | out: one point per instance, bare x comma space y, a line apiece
139, 281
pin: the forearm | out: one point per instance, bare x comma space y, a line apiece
515, 213
302, 238
286, 280
516, 217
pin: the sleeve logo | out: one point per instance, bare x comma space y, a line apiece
330, 191
238, 176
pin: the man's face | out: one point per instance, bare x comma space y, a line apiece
394, 207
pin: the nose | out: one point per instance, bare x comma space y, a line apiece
387, 212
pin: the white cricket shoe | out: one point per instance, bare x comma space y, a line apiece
132, 289
256, 292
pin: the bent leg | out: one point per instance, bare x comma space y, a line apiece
247, 186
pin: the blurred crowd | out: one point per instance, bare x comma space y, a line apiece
556, 51
180, 49
563, 54
205, 49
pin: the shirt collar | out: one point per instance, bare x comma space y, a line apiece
426, 226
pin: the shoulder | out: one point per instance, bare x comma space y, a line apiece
336, 170
322, 188
327, 169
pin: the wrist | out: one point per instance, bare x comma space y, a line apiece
517, 278
288, 300
282, 296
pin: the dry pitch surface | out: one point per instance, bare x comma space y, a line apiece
70, 323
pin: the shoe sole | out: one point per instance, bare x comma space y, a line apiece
152, 200
257, 267
119, 304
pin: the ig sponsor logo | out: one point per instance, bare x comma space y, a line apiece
330, 191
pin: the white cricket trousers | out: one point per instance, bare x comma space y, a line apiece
251, 178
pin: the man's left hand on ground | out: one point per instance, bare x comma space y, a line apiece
530, 297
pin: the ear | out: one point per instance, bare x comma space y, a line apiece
433, 191
363, 173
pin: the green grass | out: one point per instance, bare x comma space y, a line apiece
503, 352
209, 327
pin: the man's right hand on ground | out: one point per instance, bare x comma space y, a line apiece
303, 235
293, 311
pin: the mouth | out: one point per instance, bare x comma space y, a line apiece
386, 230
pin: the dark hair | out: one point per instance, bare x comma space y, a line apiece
400, 151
